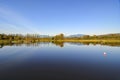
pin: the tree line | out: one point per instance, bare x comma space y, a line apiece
59, 37
97, 37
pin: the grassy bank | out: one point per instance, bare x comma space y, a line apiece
100, 41
66, 40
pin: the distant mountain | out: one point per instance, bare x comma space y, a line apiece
76, 35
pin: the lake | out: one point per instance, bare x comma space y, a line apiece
68, 61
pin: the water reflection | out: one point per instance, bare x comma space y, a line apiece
54, 63
95, 43
58, 43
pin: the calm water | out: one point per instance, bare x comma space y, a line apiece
47, 61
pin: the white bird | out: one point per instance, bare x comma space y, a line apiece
104, 53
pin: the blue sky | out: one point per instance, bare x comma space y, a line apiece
60, 16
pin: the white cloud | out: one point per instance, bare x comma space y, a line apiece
9, 28
16, 21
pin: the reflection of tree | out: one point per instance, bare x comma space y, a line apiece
75, 43
5, 44
95, 43
58, 43
1, 45
86, 43
111, 44
28, 44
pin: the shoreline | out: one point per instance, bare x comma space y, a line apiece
32, 41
